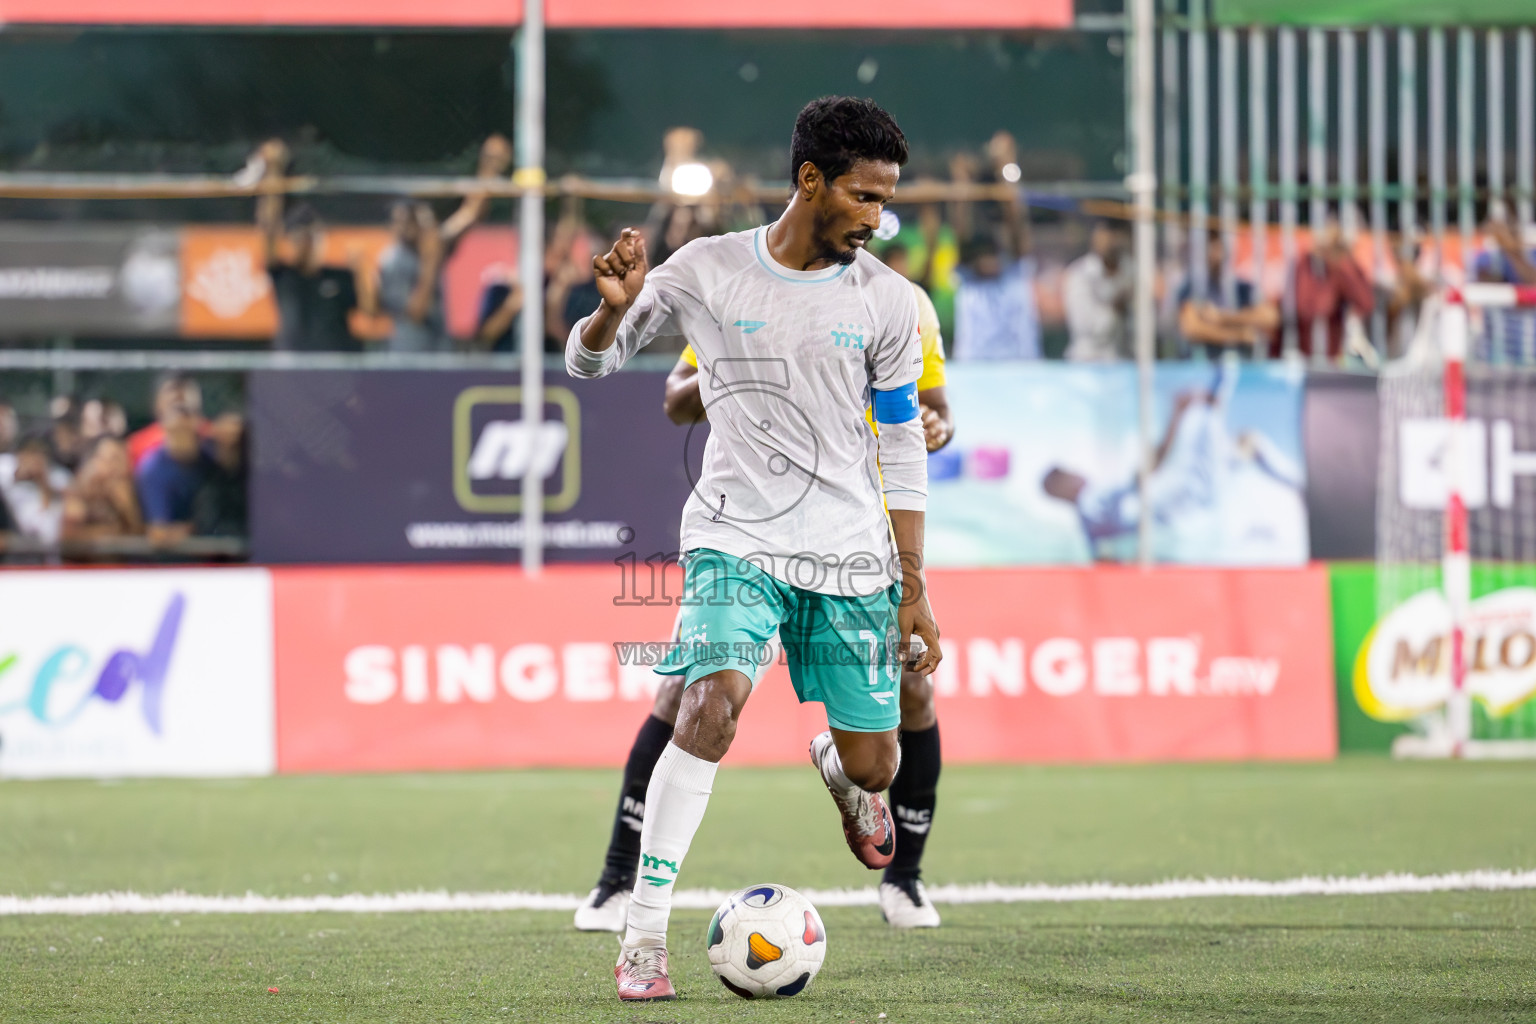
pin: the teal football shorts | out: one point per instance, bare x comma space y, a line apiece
841, 651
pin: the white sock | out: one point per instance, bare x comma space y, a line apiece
674, 806
832, 769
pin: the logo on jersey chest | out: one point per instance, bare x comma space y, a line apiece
848, 336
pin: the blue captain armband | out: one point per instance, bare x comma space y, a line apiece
897, 405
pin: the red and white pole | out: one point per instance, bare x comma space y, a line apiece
1456, 566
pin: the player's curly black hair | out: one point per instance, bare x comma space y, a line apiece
835, 132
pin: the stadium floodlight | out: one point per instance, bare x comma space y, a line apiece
693, 179
1011, 173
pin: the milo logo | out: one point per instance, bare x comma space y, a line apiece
1403, 669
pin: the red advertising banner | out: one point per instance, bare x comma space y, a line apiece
559, 13
401, 13
1120, 664
893, 14
444, 668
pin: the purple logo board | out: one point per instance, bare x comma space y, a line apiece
425, 466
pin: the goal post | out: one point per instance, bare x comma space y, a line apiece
1453, 652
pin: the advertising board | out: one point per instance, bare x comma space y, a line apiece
114, 673
464, 667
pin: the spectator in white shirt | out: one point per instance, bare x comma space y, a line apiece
995, 313
33, 488
1097, 294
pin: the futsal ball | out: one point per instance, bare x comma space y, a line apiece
766, 942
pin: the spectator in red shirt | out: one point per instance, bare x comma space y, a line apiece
173, 391
1329, 284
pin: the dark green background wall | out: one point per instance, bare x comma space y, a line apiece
163, 100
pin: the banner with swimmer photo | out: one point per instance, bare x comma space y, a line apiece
1043, 466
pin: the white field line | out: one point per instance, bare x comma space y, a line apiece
707, 899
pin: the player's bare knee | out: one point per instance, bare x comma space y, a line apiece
917, 710
668, 697
707, 714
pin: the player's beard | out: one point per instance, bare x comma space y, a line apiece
827, 243
848, 255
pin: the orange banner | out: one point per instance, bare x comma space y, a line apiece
446, 668
226, 292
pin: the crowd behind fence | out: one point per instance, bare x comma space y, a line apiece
1015, 270
1015, 274
78, 485
410, 271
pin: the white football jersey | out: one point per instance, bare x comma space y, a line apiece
787, 361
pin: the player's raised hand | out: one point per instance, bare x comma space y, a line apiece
620, 274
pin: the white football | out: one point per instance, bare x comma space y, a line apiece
766, 942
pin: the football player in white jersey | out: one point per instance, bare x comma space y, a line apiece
913, 795
797, 332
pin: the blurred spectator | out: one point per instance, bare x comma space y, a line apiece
679, 147
1510, 334
9, 433
497, 326
410, 279
101, 502
170, 477
7, 523
10, 428
572, 291
173, 392
313, 300
701, 197
219, 507
410, 287
1097, 296
671, 225
33, 488
1329, 286
1405, 296
898, 253
898, 258
995, 315
65, 442
1210, 322
677, 226
102, 417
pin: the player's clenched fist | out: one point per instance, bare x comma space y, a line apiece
935, 430
621, 273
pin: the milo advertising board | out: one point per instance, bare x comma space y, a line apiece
1396, 668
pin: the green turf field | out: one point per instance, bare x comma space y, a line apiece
1450, 956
